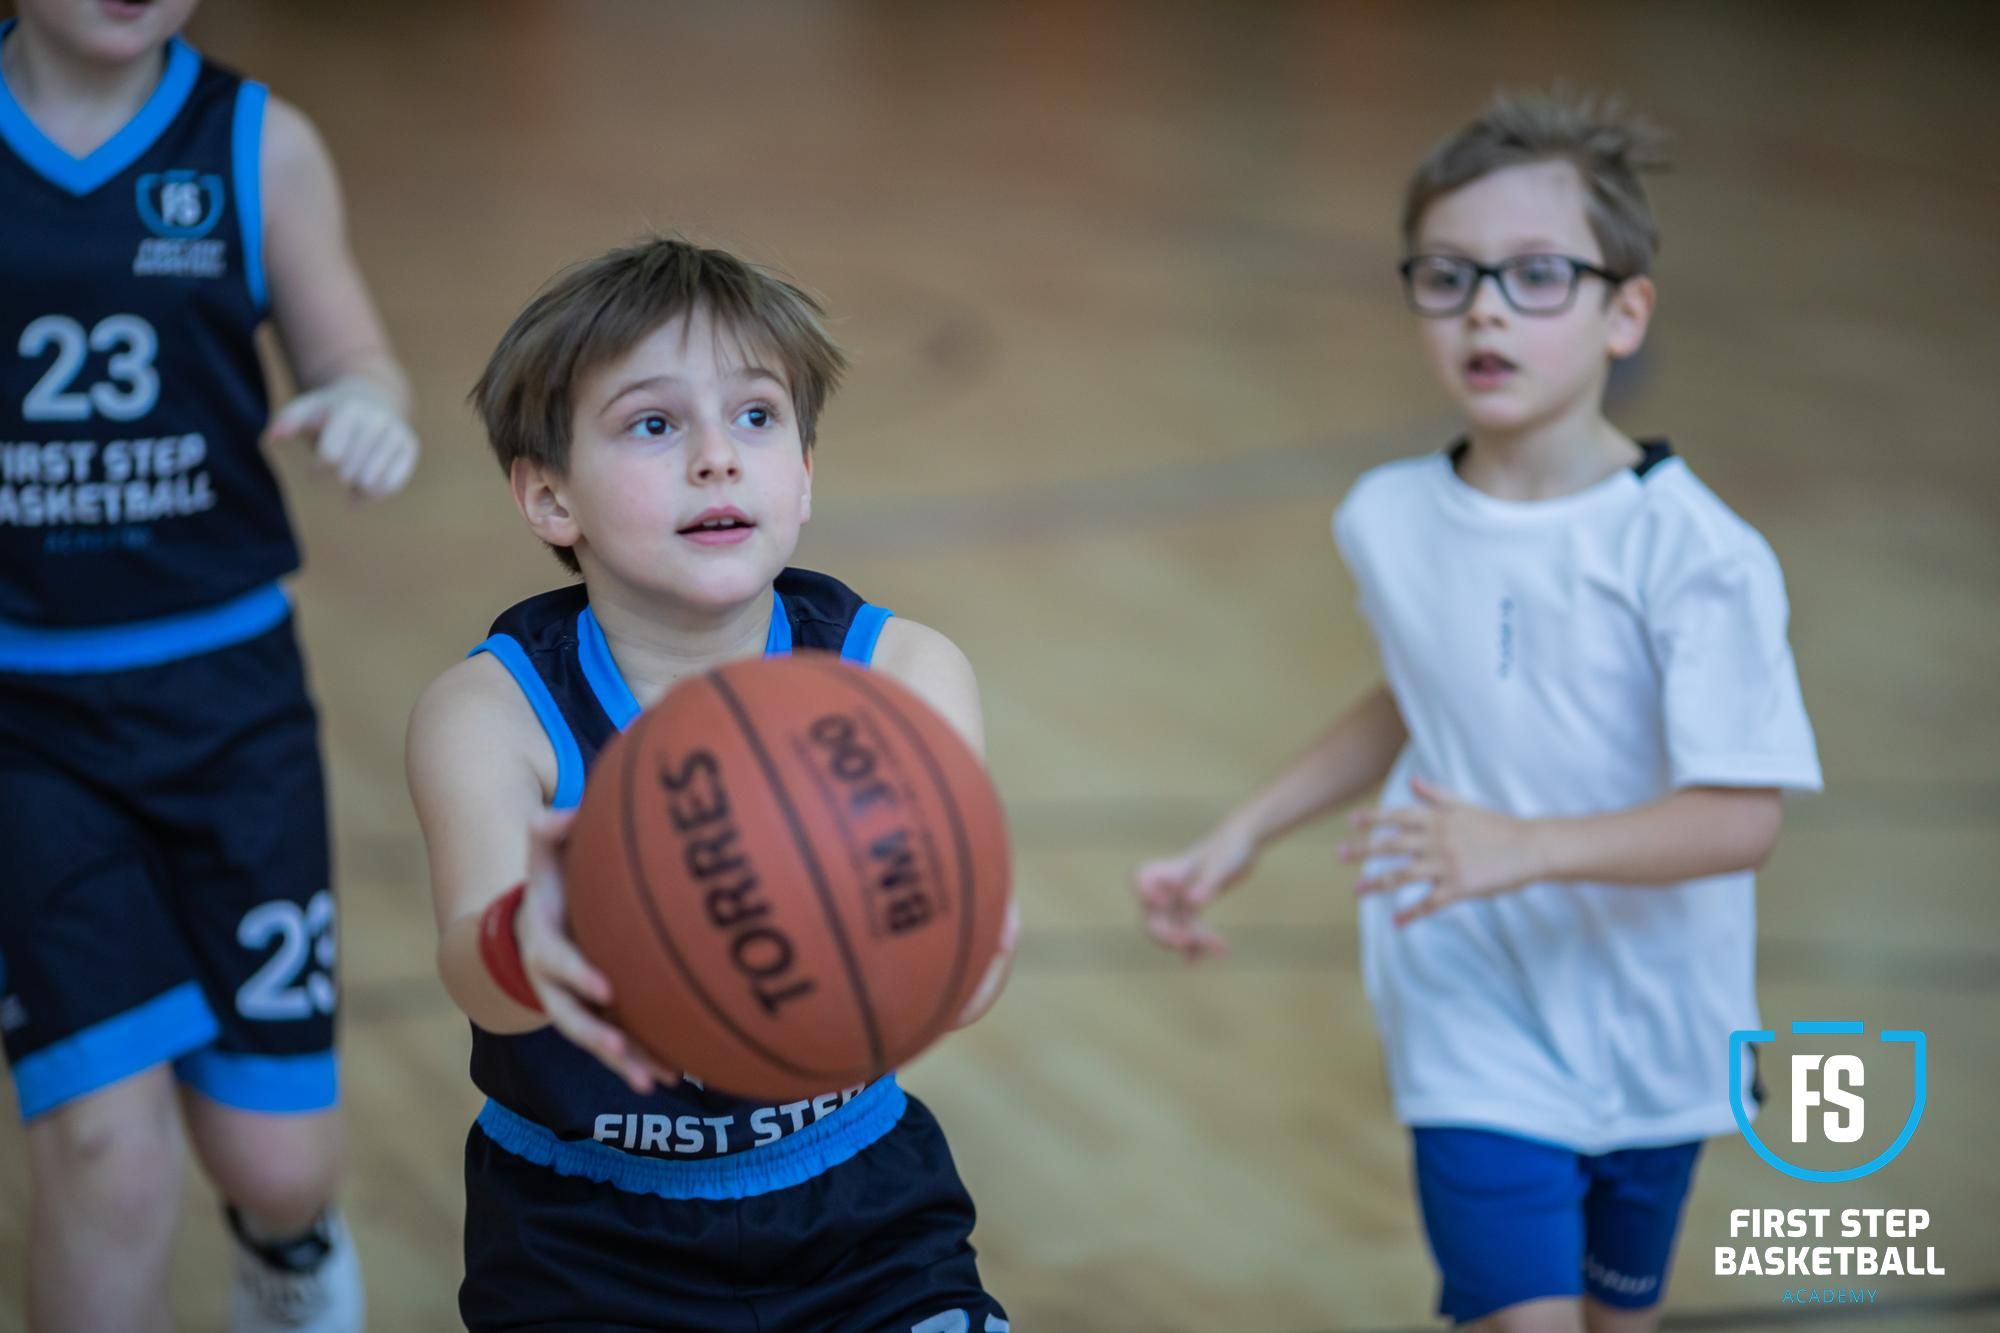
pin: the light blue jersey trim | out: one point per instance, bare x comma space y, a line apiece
778, 639
790, 1161
246, 152
81, 175
862, 632
569, 759
64, 651
168, 1025
277, 1084
607, 682
614, 696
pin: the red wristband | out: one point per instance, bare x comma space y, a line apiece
501, 951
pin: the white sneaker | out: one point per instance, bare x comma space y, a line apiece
310, 1285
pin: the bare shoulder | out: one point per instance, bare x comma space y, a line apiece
292, 151
932, 665
472, 719
915, 653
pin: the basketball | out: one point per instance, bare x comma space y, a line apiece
794, 874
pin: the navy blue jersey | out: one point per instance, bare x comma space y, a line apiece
132, 485
552, 1099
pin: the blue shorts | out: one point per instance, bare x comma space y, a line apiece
878, 1243
1513, 1219
167, 894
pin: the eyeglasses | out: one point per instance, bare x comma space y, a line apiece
1440, 286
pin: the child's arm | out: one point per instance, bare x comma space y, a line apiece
932, 665
1466, 851
1352, 756
354, 398
478, 765
1736, 733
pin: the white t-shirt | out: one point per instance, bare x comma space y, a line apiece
1570, 657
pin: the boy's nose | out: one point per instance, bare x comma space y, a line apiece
714, 457
1489, 304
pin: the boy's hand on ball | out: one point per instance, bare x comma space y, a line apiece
997, 971
572, 991
1174, 891
1465, 851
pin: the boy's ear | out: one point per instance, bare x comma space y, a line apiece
538, 494
1631, 312
806, 494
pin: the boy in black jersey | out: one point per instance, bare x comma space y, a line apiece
655, 413
167, 919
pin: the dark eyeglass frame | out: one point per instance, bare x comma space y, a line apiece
1579, 269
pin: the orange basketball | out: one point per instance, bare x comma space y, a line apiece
794, 873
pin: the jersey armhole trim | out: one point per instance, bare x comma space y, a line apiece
247, 165
863, 632
569, 759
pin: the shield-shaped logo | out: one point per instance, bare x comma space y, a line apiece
1910, 1037
180, 205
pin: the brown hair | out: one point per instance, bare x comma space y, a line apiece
596, 312
1608, 146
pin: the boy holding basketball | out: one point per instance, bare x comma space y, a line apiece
167, 937
655, 412
1589, 715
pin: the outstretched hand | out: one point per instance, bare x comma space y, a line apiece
1174, 891
1465, 851
571, 991
355, 433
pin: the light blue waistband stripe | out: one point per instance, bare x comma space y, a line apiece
66, 650
790, 1161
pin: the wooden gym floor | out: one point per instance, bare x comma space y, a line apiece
1118, 279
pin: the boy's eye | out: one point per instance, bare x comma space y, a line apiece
1439, 277
652, 426
757, 418
1542, 272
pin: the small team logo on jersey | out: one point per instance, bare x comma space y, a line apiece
180, 205
180, 208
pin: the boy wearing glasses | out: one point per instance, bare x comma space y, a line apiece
1589, 713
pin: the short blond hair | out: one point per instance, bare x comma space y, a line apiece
598, 311
1609, 147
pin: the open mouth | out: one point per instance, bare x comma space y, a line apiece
1488, 370
719, 527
